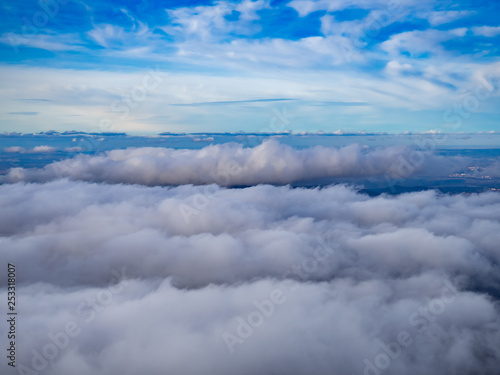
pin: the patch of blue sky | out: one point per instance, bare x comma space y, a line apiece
286, 24
350, 14
472, 45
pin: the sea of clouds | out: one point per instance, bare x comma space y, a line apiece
120, 274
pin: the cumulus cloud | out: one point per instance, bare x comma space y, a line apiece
234, 165
143, 259
14, 149
36, 149
353, 274
43, 148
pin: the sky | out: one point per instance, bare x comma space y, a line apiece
145, 67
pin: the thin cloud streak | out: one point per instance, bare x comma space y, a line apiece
233, 102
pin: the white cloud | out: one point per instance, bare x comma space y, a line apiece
43, 149
209, 23
233, 164
36, 149
14, 149
81, 99
385, 260
488, 31
443, 17
395, 67
103, 33
49, 42
420, 42
116, 37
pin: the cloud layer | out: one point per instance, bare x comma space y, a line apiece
234, 165
353, 273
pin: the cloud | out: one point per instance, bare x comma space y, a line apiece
49, 42
113, 37
24, 113
305, 7
443, 17
36, 149
235, 102
355, 273
43, 148
33, 100
417, 43
210, 23
233, 165
93, 95
14, 149
487, 31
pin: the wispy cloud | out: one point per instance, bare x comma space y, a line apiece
24, 113
33, 100
229, 102
487, 31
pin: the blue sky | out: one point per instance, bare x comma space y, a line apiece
146, 67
